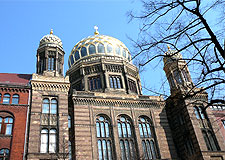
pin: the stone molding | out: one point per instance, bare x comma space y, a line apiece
118, 103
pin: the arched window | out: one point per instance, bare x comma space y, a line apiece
83, 51
15, 99
48, 107
44, 141
6, 125
0, 97
48, 141
101, 48
77, 56
126, 138
4, 154
92, 49
45, 106
199, 113
147, 135
6, 98
104, 137
52, 141
118, 50
53, 106
109, 48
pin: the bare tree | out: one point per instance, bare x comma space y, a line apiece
194, 28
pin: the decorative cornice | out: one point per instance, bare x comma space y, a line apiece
113, 102
50, 86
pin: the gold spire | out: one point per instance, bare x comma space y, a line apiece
168, 47
51, 32
96, 30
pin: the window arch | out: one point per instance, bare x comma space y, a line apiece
92, 49
199, 113
147, 136
104, 137
126, 138
15, 99
6, 98
101, 48
48, 141
6, 125
4, 154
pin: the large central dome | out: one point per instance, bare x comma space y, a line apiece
98, 45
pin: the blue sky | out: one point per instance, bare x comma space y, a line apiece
25, 22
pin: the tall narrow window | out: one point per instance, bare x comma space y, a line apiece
6, 98
44, 141
15, 99
210, 140
94, 83
51, 63
199, 113
48, 141
185, 75
45, 106
177, 76
69, 121
52, 141
53, 108
171, 82
147, 136
115, 82
126, 138
0, 97
4, 154
104, 138
132, 85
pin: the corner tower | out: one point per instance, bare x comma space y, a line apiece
194, 130
48, 126
50, 56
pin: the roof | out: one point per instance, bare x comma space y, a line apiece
15, 79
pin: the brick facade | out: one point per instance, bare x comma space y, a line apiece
15, 142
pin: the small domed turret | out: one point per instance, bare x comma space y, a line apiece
51, 40
50, 55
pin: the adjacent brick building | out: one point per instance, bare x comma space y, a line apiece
14, 106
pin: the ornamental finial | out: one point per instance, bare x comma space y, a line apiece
168, 47
96, 30
51, 32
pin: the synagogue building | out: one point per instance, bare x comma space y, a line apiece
97, 110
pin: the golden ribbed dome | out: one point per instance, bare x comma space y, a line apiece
98, 45
51, 40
